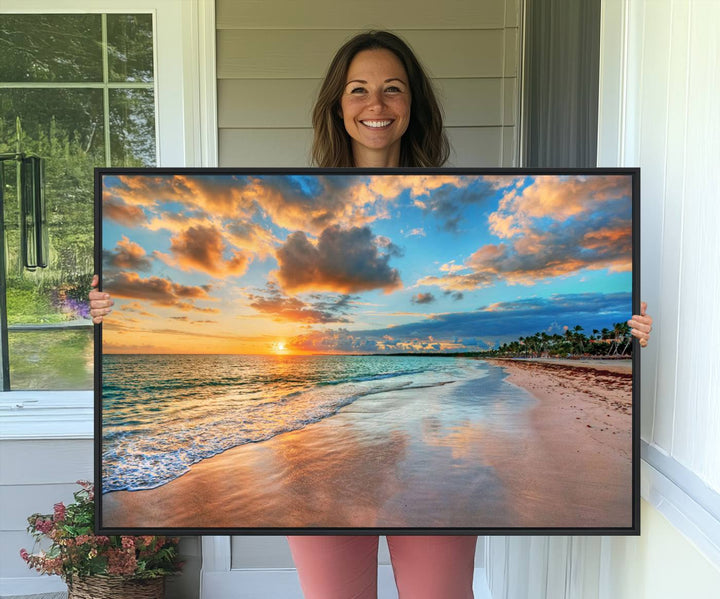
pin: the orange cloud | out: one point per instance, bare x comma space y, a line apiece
116, 210
202, 248
422, 298
190, 307
291, 309
451, 267
136, 307
127, 255
344, 260
155, 290
457, 283
556, 197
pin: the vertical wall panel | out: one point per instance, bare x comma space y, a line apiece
672, 236
652, 155
544, 567
672, 133
538, 568
519, 552
697, 429
496, 566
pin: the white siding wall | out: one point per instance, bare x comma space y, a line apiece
660, 84
272, 56
34, 475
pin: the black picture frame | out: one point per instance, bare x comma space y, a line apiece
290, 292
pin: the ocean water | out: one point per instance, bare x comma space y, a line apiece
163, 413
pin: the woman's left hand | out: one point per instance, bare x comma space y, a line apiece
641, 325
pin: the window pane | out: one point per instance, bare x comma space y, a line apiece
130, 47
66, 127
132, 127
51, 118
53, 359
50, 48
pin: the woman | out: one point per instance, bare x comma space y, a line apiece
377, 108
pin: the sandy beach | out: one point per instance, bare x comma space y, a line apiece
577, 449
550, 447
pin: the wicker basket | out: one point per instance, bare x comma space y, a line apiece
116, 587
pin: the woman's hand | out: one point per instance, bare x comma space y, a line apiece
100, 302
641, 325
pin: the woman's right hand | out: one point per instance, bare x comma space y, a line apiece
100, 302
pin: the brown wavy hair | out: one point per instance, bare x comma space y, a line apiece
423, 144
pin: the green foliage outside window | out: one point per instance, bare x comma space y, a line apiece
80, 86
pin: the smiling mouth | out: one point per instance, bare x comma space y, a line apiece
377, 124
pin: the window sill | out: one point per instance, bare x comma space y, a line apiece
46, 415
690, 506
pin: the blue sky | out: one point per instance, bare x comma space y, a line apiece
355, 263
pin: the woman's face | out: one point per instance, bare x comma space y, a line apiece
375, 107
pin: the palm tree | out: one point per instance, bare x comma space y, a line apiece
570, 340
579, 337
620, 330
624, 328
544, 339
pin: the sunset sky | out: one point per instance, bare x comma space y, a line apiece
318, 263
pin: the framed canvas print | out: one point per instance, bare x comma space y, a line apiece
304, 351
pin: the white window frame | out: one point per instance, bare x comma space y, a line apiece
186, 129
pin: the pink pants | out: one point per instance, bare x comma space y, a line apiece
345, 567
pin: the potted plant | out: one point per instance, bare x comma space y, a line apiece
96, 566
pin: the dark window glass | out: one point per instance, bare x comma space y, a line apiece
132, 127
40, 48
130, 43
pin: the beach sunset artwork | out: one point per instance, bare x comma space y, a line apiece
348, 350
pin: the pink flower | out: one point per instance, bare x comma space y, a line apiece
59, 509
121, 562
44, 526
128, 542
73, 554
88, 487
53, 565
